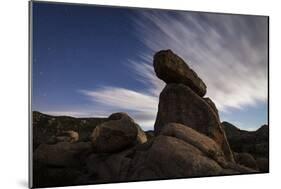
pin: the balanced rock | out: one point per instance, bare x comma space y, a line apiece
179, 104
172, 69
116, 134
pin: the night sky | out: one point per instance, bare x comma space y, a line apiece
91, 61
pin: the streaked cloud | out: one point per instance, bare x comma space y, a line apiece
229, 52
142, 107
123, 98
145, 74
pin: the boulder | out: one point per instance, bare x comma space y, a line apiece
180, 152
141, 136
115, 135
205, 144
179, 104
170, 157
172, 69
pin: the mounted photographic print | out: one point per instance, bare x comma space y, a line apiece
121, 94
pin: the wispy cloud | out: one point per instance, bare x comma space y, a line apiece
146, 74
123, 98
229, 52
141, 105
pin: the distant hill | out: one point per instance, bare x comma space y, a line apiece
46, 126
253, 142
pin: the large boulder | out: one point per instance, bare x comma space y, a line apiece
141, 136
116, 134
205, 144
172, 69
179, 104
170, 157
180, 152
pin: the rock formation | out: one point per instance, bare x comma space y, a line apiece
179, 151
188, 139
180, 103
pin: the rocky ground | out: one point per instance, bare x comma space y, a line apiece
188, 139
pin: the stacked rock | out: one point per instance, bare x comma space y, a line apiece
181, 101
